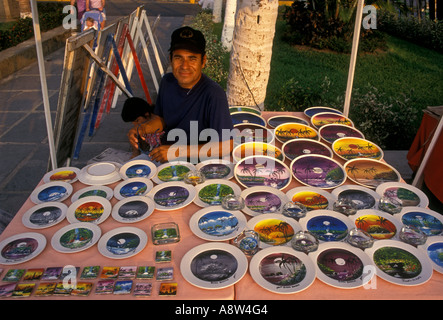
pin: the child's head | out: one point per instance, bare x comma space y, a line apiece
90, 22
136, 110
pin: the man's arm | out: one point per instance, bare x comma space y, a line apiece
154, 123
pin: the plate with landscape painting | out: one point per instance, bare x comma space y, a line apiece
327, 225
217, 224
51, 191
362, 197
76, 237
211, 192
132, 187
427, 220
93, 191
65, 174
332, 132
353, 148
282, 270
262, 171
371, 173
261, 200
122, 243
233, 109
403, 193
312, 111
312, 198
290, 130
216, 169
21, 247
275, 121
318, 171
247, 117
400, 263
44, 215
434, 249
380, 225
250, 132
274, 229
299, 147
90, 209
172, 171
138, 169
324, 118
133, 209
172, 195
257, 148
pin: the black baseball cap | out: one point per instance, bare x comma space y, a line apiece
189, 39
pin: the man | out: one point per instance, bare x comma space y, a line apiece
190, 103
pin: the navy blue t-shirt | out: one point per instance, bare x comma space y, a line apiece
205, 105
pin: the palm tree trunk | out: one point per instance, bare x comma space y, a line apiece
217, 10
25, 9
228, 24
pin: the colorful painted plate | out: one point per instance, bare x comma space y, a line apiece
327, 225
407, 195
90, 209
400, 263
261, 200
353, 148
434, 249
138, 169
299, 147
251, 132
312, 198
274, 229
100, 173
211, 192
214, 265
342, 266
380, 225
44, 215
371, 173
247, 117
172, 195
323, 118
257, 148
363, 197
51, 191
172, 171
332, 132
312, 111
318, 171
217, 224
133, 209
282, 270
427, 220
93, 191
275, 121
65, 174
244, 109
21, 247
262, 171
76, 237
132, 187
289, 131
216, 169
122, 243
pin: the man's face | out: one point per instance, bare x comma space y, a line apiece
187, 67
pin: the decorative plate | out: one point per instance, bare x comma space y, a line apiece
250, 132
172, 171
380, 225
21, 247
282, 270
93, 191
100, 173
262, 171
138, 169
428, 221
342, 266
244, 109
76, 237
299, 147
217, 224
324, 118
51, 191
274, 229
312, 198
133, 209
309, 112
257, 148
65, 174
318, 171
353, 148
327, 225
362, 197
400, 263
172, 195
44, 215
434, 249
89, 209
216, 169
214, 265
132, 187
332, 132
289, 131
247, 117
371, 173
407, 195
275, 121
260, 200
122, 243
211, 192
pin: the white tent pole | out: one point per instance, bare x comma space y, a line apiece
41, 66
355, 41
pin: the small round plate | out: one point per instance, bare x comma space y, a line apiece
51, 191
172, 171
44, 215
254, 110
211, 192
217, 224
427, 220
76, 237
299, 147
275, 121
354, 148
100, 173
65, 174
282, 270
327, 225
400, 263
133, 209
332, 132
407, 195
214, 265
342, 266
261, 200
251, 132
89, 209
312, 111
380, 225
93, 191
138, 169
434, 249
290, 130
21, 247
172, 195
216, 169
362, 197
132, 187
257, 148
323, 118
122, 243
312, 198
371, 173
247, 117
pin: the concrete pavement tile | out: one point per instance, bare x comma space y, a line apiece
11, 155
32, 129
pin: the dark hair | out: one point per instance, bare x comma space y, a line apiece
135, 107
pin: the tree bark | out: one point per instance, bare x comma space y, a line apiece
229, 24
